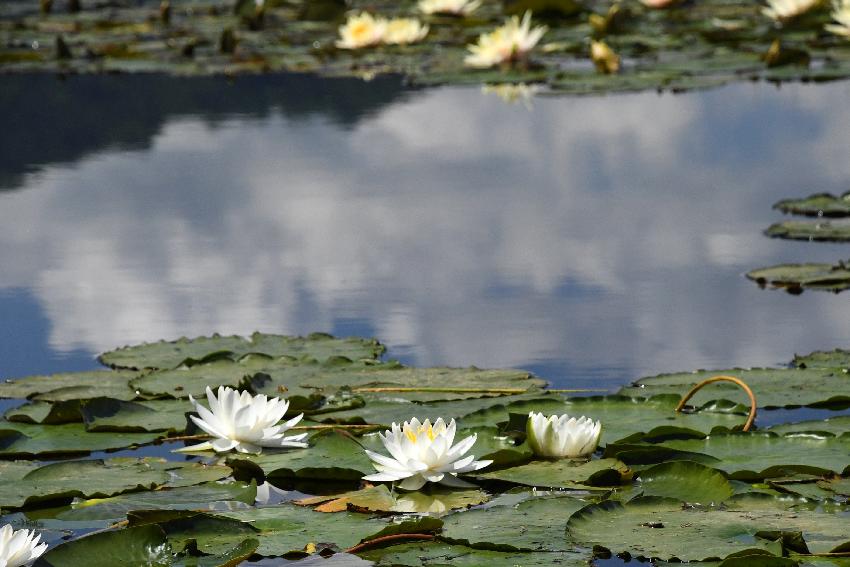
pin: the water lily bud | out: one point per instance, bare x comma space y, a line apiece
562, 435
604, 58
421, 452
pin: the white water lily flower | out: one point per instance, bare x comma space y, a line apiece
452, 7
421, 452
361, 30
783, 10
19, 547
509, 43
562, 435
841, 14
244, 422
402, 31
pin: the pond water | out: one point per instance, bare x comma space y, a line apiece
590, 240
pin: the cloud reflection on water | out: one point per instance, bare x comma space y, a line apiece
605, 235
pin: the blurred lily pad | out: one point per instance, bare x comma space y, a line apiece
171, 354
686, 481
144, 545
822, 231
817, 205
24, 439
795, 278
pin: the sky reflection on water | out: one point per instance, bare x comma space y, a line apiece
592, 240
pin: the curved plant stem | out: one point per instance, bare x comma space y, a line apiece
753, 406
393, 537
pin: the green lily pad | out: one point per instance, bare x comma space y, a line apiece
442, 554
332, 456
107, 414
686, 481
46, 413
748, 456
533, 525
837, 485
385, 409
285, 528
563, 473
795, 278
144, 545
165, 354
193, 380
90, 479
234, 556
773, 387
24, 439
817, 205
820, 231
71, 386
208, 496
435, 501
662, 528
824, 427
838, 358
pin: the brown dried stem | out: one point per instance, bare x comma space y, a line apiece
753, 406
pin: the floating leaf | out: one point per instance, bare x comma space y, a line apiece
23, 439
533, 525
826, 231
817, 205
780, 387
163, 354
838, 358
830, 426
563, 473
208, 496
795, 278
286, 528
332, 456
71, 386
144, 545
433, 501
762, 455
441, 554
664, 529
686, 481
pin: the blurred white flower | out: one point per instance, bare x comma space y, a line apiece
783, 10
454, 7
361, 30
244, 422
841, 14
421, 452
19, 547
509, 43
401, 31
562, 436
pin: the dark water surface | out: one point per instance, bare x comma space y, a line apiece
591, 240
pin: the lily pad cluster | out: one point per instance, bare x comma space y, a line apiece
832, 225
591, 45
687, 486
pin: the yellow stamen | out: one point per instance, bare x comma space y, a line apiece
410, 435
